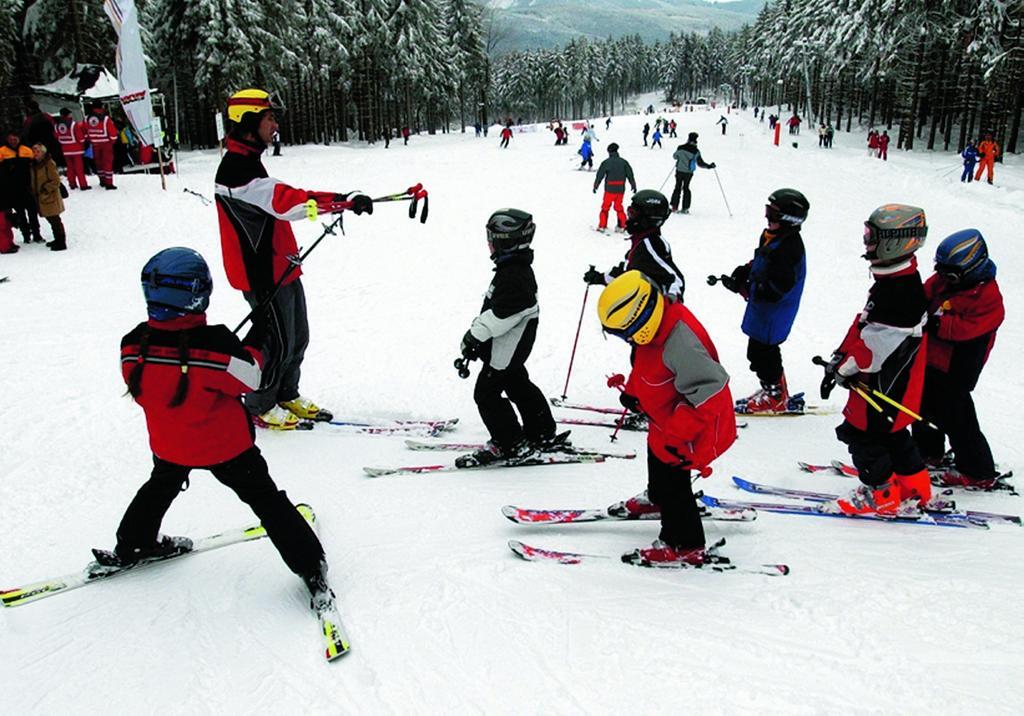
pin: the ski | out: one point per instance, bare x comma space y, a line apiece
935, 507
632, 422
569, 405
547, 459
336, 641
4, 279
834, 468
1001, 484
722, 564
421, 446
794, 407
815, 511
525, 516
94, 572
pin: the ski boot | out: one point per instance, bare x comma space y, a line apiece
493, 453
661, 554
321, 596
601, 229
306, 409
559, 442
620, 229
951, 477
916, 488
123, 556
635, 508
277, 418
882, 499
772, 398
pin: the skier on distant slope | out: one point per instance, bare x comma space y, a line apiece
586, 151
679, 383
648, 252
884, 351
772, 284
502, 337
688, 158
614, 172
258, 246
188, 377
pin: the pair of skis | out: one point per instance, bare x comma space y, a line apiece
423, 428
837, 467
335, 640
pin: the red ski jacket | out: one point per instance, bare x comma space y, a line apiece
885, 349
211, 426
966, 331
684, 390
71, 135
100, 128
253, 211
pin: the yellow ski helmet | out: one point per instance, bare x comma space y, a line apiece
631, 307
251, 100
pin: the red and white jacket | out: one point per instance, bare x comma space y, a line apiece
885, 348
684, 390
254, 211
211, 426
100, 128
71, 135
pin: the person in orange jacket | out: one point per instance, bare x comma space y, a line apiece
988, 152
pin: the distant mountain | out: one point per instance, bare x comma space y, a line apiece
550, 23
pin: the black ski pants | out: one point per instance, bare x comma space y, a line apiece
682, 185
951, 408
287, 338
878, 456
25, 218
492, 387
248, 476
670, 488
765, 361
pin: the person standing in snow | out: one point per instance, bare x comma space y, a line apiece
829, 135
502, 337
506, 135
656, 138
188, 378
883, 146
772, 284
15, 171
649, 253
647, 130
587, 152
988, 152
44, 181
71, 135
794, 124
102, 133
687, 158
607, 124
965, 309
970, 157
821, 134
873, 143
678, 382
672, 129
724, 122
614, 172
885, 350
259, 248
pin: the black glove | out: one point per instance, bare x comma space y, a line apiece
594, 277
470, 347
741, 274
833, 377
630, 403
595, 189
730, 283
933, 324
712, 165
361, 203
684, 461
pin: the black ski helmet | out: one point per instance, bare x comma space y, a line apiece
176, 282
612, 148
692, 137
647, 210
509, 230
787, 206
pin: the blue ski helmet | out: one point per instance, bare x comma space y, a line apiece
963, 258
176, 282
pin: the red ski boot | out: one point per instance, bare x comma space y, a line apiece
916, 487
660, 554
772, 398
884, 499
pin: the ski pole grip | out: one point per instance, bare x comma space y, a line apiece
413, 189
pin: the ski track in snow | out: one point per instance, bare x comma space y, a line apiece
442, 617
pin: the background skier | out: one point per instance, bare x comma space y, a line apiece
614, 172
688, 158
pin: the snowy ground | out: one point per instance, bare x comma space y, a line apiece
874, 618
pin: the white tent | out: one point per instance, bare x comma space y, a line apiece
84, 84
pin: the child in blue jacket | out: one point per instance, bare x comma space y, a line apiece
970, 156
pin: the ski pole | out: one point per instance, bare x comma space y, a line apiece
667, 176
462, 366
899, 406
414, 194
572, 358
715, 170
297, 261
830, 373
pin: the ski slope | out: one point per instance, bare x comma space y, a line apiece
443, 618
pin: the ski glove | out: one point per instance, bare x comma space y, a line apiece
630, 403
470, 347
712, 165
616, 271
594, 277
361, 203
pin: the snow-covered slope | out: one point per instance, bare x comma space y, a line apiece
442, 616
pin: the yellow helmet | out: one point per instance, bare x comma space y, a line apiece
631, 307
251, 100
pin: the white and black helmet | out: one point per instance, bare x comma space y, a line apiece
509, 230
893, 233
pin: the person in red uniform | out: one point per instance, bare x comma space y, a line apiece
965, 310
883, 146
71, 135
102, 133
988, 152
254, 211
885, 350
679, 383
188, 377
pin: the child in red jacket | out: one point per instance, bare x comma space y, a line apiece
679, 383
965, 309
188, 378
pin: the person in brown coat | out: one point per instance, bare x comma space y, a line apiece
45, 185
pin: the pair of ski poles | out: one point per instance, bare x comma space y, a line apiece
414, 194
868, 394
717, 178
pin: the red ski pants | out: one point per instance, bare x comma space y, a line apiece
986, 165
611, 200
103, 155
76, 171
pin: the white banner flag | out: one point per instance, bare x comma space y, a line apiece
131, 69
